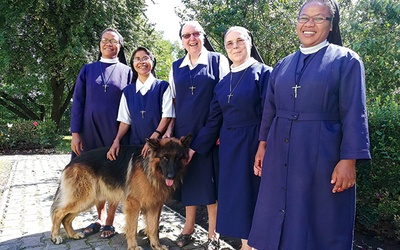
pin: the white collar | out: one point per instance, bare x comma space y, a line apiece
107, 60
146, 85
244, 65
203, 59
313, 49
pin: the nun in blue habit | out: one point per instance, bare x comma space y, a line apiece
97, 93
313, 131
96, 98
235, 117
192, 79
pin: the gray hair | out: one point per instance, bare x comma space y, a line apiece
242, 30
195, 24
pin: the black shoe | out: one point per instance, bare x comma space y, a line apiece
211, 244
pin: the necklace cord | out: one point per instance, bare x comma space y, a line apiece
105, 83
230, 84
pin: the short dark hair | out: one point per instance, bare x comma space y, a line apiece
148, 52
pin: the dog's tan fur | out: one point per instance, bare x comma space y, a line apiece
143, 188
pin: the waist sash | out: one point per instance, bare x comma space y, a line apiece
299, 116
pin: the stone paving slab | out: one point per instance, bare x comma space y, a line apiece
25, 211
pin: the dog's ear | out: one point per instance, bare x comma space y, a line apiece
153, 143
186, 140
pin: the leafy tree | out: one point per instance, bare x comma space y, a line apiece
44, 43
373, 31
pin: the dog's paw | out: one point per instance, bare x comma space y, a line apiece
159, 247
78, 236
135, 248
57, 239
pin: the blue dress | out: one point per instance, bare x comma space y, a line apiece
238, 124
94, 106
143, 125
199, 185
306, 137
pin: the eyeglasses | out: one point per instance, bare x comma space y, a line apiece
195, 34
143, 59
231, 44
316, 19
112, 41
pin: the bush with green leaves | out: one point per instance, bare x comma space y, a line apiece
28, 134
378, 186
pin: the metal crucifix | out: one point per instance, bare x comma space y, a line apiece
295, 90
192, 88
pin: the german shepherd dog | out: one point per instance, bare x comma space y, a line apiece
142, 184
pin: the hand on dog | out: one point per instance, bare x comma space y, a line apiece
113, 152
145, 150
146, 147
344, 175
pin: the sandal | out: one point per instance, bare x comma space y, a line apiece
183, 240
108, 229
91, 229
212, 244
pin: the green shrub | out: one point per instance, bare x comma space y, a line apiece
64, 145
378, 185
27, 134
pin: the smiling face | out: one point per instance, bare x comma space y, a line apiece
110, 45
237, 46
311, 33
142, 63
193, 43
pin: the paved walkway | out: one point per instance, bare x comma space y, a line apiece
25, 211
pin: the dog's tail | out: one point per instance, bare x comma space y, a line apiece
56, 202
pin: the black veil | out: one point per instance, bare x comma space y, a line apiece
334, 35
121, 53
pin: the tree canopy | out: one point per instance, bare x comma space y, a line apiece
43, 45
